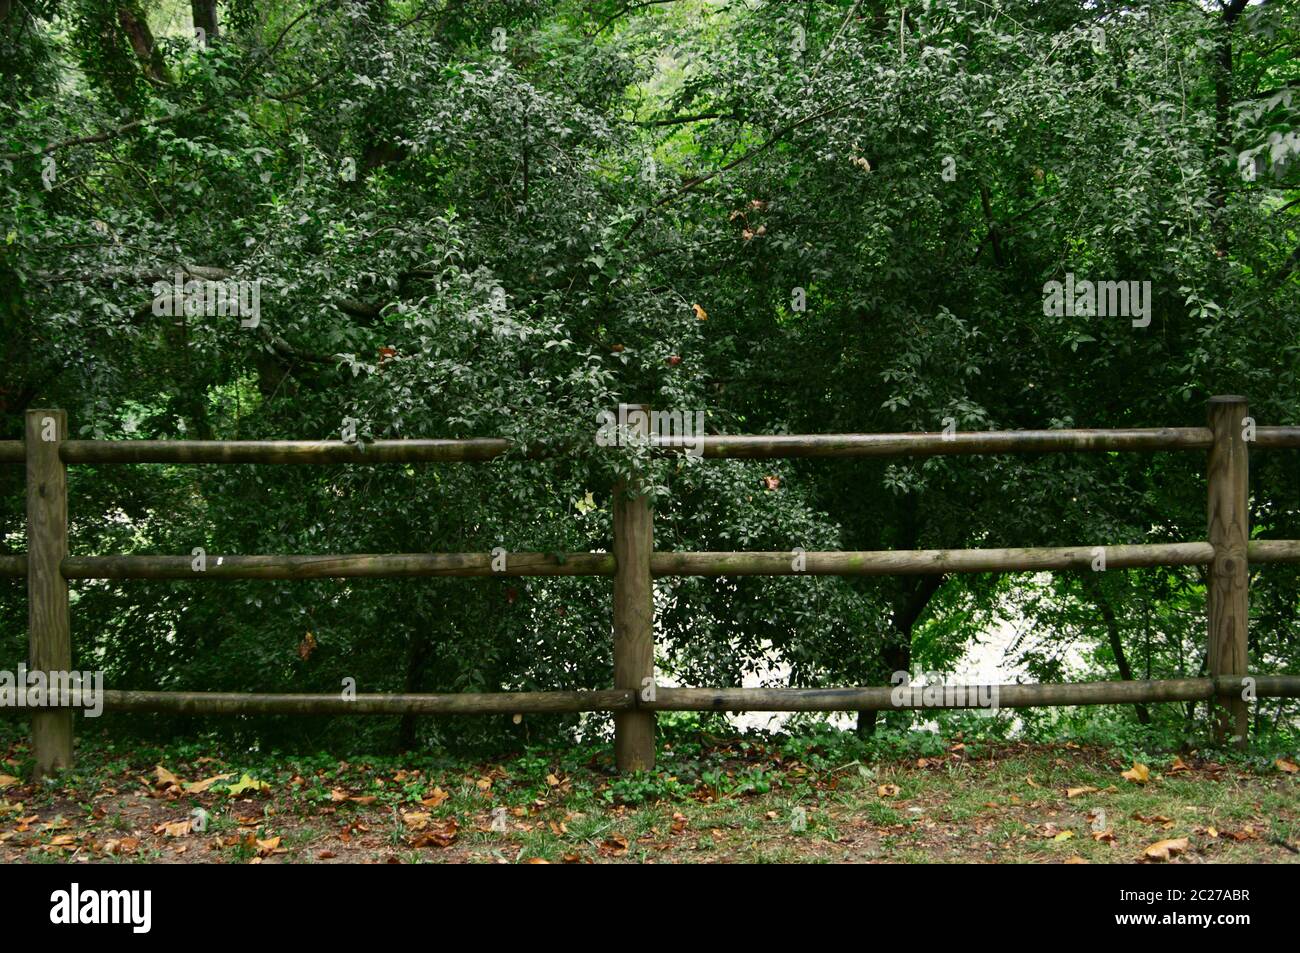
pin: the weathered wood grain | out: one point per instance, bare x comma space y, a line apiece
927, 561
49, 635
1227, 592
634, 731
337, 567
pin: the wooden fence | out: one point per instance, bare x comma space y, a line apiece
634, 564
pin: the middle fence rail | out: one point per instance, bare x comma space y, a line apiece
634, 564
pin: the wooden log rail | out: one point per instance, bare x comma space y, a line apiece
745, 447
634, 564
892, 562
697, 699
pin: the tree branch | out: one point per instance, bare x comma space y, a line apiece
630, 8
679, 120
696, 182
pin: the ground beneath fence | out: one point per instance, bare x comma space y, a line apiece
736, 801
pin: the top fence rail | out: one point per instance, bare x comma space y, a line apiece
743, 447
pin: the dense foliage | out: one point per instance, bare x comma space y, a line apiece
499, 217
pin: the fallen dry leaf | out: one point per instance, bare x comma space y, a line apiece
614, 846
1153, 819
435, 798
164, 779
1138, 774
415, 820
1164, 849
437, 835
1290, 767
1079, 791
887, 790
58, 843
174, 828
198, 787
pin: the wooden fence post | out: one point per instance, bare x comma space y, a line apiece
634, 731
50, 641
1227, 592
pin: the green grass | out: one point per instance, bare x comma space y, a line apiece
901, 798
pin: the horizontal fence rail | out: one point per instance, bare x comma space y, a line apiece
458, 703
935, 444
965, 696
337, 567
910, 698
888, 562
903, 562
633, 564
712, 446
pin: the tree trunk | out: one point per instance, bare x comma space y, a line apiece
417, 658
1098, 597
1225, 165
204, 15
136, 27
897, 654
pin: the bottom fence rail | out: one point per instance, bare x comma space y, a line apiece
663, 698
